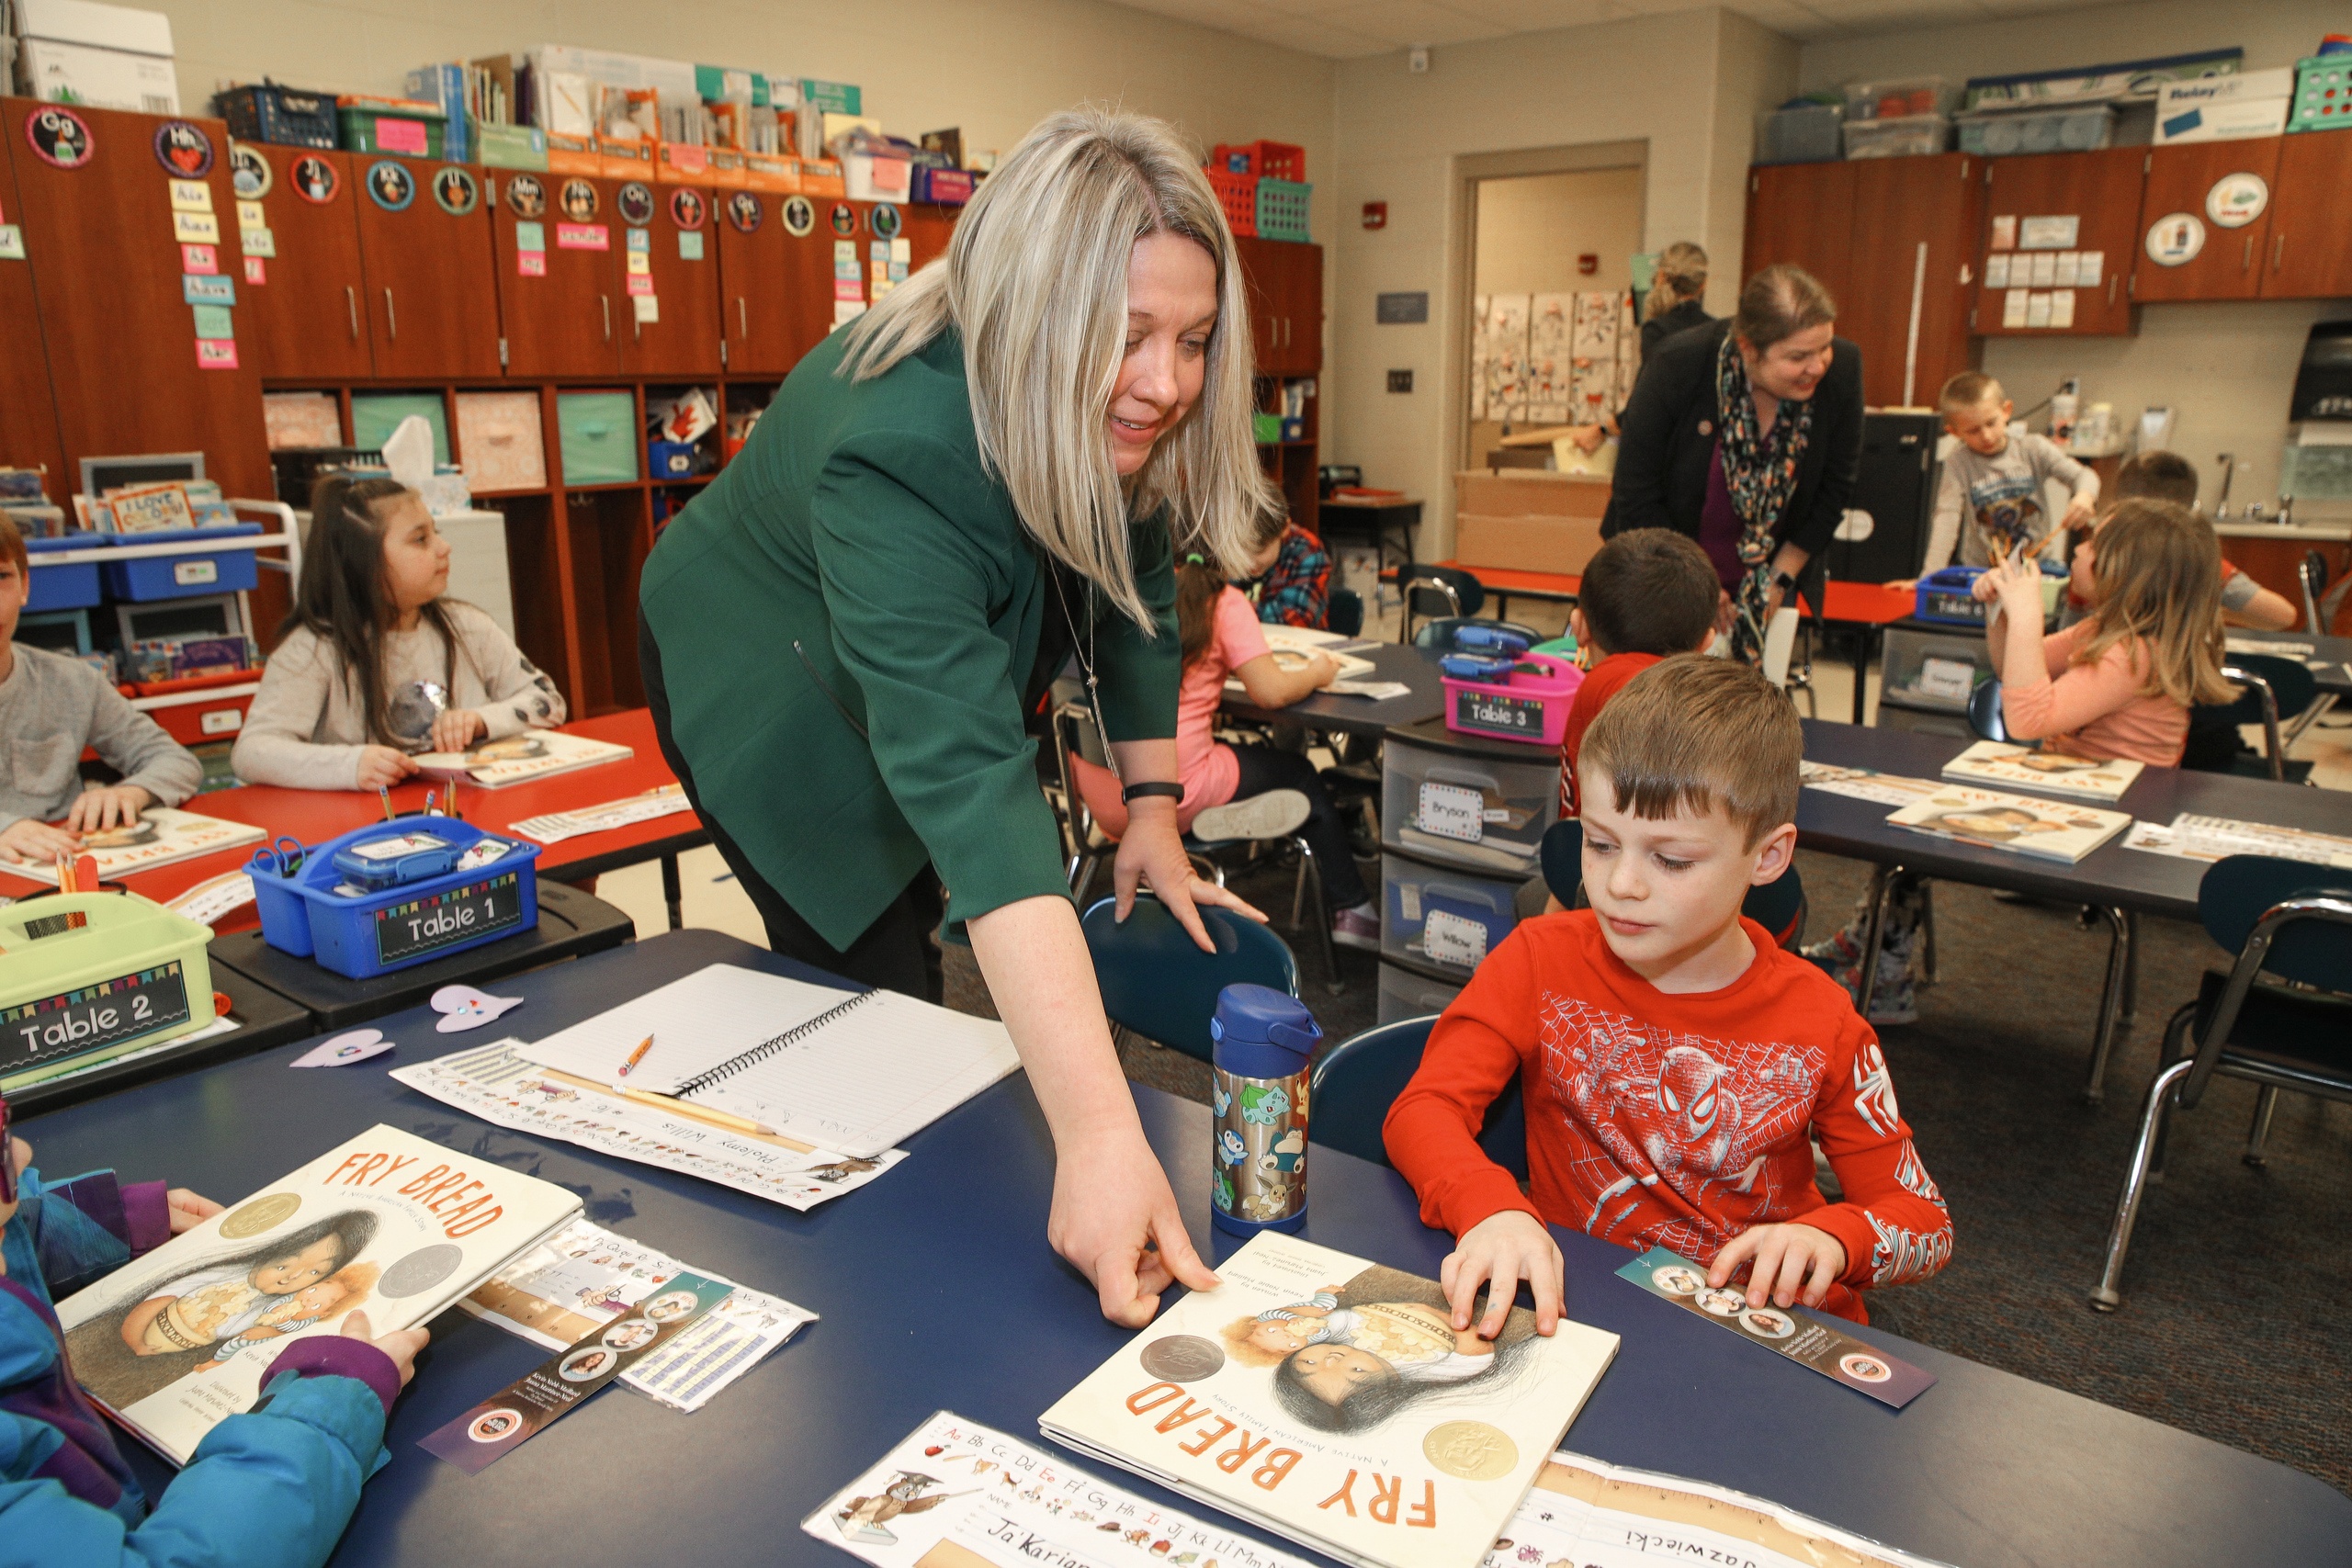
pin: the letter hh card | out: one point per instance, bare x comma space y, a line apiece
1804, 1341
957, 1495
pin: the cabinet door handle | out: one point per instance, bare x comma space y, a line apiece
2248, 265
2110, 290
391, 318
606, 302
2279, 254
351, 303
742, 319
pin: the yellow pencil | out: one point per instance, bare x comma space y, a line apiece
637, 1055
701, 1113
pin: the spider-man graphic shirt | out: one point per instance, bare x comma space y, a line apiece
1677, 1121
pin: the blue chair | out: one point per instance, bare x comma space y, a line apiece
2274, 691
2285, 921
1344, 612
1985, 712
1436, 591
1158, 983
1440, 634
1778, 906
1357, 1080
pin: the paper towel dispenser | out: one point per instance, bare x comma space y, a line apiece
2323, 382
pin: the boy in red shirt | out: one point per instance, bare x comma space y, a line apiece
1672, 1057
1647, 595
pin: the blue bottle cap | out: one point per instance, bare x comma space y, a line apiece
1261, 1033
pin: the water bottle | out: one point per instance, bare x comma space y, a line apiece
1264, 1042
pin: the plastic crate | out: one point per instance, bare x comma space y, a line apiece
73, 587
1238, 193
2323, 93
599, 437
398, 128
1932, 671
1997, 135
93, 976
1482, 806
1405, 994
144, 578
1804, 134
375, 934
1282, 210
1912, 136
511, 146
1274, 160
199, 719
1901, 97
1473, 914
285, 116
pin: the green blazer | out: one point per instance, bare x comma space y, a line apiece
858, 520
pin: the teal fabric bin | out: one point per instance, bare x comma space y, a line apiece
599, 433
374, 416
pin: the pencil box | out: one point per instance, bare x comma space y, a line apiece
312, 908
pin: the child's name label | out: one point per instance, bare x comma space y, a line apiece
1453, 811
1951, 679
191, 196
582, 237
260, 242
1449, 937
196, 227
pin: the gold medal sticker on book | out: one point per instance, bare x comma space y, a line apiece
1329, 1400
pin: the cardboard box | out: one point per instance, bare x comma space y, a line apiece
1507, 492
1527, 520
2224, 108
95, 26
102, 78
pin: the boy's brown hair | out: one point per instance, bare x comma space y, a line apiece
1649, 591
2157, 476
1969, 390
1692, 734
12, 544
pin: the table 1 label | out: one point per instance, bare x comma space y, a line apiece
446, 919
108, 1013
1492, 714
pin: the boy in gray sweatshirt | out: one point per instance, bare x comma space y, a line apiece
1991, 487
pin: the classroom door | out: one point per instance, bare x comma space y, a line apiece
2227, 191
2041, 212
754, 298
1911, 263
2311, 220
1803, 215
678, 333
558, 259
28, 412
299, 284
432, 287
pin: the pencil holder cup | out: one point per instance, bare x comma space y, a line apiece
1263, 1043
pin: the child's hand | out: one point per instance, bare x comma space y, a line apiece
1783, 1258
107, 806
2018, 582
188, 1209
1502, 1249
36, 841
1323, 668
2078, 515
380, 767
454, 730
1903, 584
401, 1347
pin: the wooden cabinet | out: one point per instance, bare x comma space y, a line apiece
928, 230
2191, 183
564, 315
1912, 261
304, 319
755, 296
1803, 215
430, 298
115, 319
27, 412
682, 339
2311, 218
2100, 192
1286, 285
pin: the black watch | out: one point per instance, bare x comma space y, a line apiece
1784, 583
1168, 787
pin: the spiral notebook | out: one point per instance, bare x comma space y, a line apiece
855, 1071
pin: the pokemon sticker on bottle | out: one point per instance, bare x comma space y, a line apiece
1263, 1042
57, 136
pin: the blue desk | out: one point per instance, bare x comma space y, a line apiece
938, 1292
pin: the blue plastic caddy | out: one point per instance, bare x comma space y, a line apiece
365, 933
146, 578
73, 587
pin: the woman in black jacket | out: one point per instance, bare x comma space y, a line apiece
1676, 290
1746, 437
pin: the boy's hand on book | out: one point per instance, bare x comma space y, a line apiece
401, 1347
1501, 1250
1115, 1220
107, 805
380, 767
1792, 1265
38, 841
454, 730
188, 1209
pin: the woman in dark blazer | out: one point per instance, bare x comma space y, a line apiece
1746, 437
1676, 290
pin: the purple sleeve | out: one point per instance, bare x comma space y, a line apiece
337, 1355
146, 1215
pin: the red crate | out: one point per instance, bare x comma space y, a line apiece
1238, 193
1278, 159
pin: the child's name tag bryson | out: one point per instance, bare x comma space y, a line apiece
1453, 811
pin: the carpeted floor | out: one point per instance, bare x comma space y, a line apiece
2228, 1327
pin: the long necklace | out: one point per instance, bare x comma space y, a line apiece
1085, 652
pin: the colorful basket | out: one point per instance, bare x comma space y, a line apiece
1282, 210
2323, 93
1274, 160
1238, 193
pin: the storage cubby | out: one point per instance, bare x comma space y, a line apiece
609, 534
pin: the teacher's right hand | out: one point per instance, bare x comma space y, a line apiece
1114, 1219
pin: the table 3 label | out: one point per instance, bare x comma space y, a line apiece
1493, 714
444, 920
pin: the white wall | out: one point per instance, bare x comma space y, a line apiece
1669, 82
1533, 228
2227, 369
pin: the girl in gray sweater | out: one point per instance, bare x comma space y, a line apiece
350, 691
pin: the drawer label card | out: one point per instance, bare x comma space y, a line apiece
1449, 937
196, 573
1453, 811
1950, 679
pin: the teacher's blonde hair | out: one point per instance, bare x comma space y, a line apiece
1035, 279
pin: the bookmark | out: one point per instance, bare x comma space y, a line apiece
1806, 1341
478, 1438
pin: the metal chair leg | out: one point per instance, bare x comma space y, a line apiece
2105, 1297
1311, 870
1927, 932
2110, 1002
1873, 928
2176, 1046
2264, 1106
673, 892
2132, 971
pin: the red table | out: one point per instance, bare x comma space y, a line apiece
316, 815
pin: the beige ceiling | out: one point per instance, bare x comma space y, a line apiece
1347, 29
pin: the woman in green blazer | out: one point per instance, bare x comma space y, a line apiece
983, 476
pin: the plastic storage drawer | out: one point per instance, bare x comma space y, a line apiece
1805, 134
1407, 994
372, 130
599, 437
1918, 135
1926, 669
1480, 804
2083, 129
73, 587
146, 578
1441, 917
1899, 99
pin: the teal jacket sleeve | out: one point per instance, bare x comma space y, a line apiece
1139, 674
909, 592
273, 1489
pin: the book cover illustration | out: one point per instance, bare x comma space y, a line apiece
178, 1341
2023, 767
2191, 836
533, 754
160, 836
2048, 830
958, 1494
1864, 783
1330, 1401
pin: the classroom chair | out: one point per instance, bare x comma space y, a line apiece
1985, 712
1357, 1080
1158, 983
2272, 691
1344, 612
1441, 634
1428, 590
2279, 1016
2319, 605
1779, 906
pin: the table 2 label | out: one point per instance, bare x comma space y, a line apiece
108, 1013
1453, 811
1493, 714
446, 919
